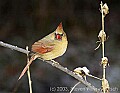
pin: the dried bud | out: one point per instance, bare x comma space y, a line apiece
105, 86
105, 9
104, 61
102, 35
102, 38
82, 71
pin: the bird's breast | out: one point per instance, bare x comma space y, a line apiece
59, 49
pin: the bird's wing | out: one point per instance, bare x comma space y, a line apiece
42, 46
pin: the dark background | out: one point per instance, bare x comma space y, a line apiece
22, 22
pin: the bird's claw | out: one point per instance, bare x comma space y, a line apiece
54, 62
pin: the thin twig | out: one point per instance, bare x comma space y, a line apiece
104, 11
103, 43
103, 52
28, 73
74, 87
58, 66
94, 77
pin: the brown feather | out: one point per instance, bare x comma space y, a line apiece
28, 64
41, 48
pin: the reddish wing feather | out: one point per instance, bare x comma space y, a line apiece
41, 48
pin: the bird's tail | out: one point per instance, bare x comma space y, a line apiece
28, 64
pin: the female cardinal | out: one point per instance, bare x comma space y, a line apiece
49, 47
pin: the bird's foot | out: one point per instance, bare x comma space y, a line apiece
54, 62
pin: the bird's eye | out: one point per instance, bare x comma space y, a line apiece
61, 34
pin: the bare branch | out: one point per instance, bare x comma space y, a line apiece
71, 73
58, 66
14, 47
